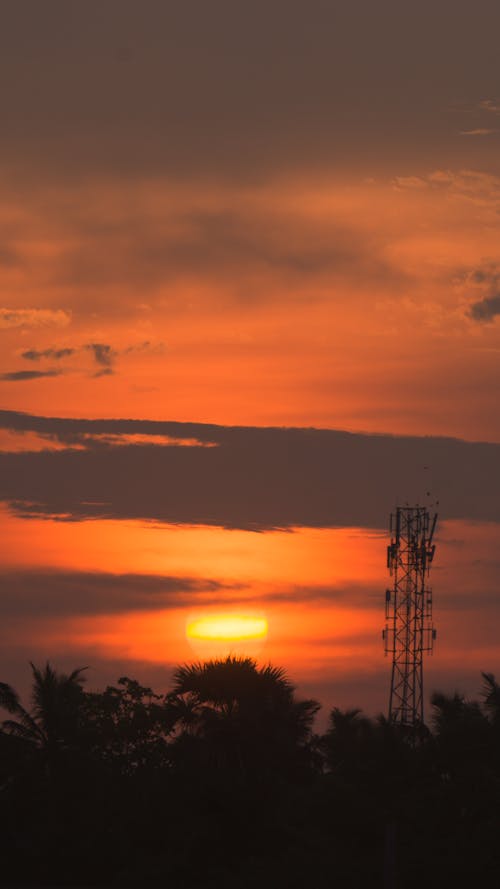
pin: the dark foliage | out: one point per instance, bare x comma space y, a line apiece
223, 783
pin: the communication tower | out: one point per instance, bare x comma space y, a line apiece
408, 610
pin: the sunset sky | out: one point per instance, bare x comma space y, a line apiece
250, 300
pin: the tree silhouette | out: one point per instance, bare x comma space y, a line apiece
491, 698
347, 739
54, 721
246, 716
128, 725
220, 783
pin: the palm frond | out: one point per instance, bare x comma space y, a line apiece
9, 698
19, 730
490, 694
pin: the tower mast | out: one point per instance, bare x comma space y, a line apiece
409, 631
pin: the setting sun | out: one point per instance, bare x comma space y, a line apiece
227, 628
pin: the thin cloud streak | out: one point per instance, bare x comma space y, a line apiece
34, 318
480, 131
53, 354
21, 376
53, 593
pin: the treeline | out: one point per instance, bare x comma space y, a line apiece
222, 782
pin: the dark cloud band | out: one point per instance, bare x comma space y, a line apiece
20, 376
46, 593
255, 478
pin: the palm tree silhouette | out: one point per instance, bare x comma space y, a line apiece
52, 725
461, 735
247, 716
491, 698
346, 738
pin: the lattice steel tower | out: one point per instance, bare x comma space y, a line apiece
409, 631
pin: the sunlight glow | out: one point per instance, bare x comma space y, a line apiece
227, 628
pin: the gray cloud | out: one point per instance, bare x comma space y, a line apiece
219, 88
144, 250
102, 353
20, 376
485, 309
256, 479
488, 307
52, 593
354, 595
55, 354
58, 593
104, 357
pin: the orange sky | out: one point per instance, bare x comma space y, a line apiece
320, 590
292, 303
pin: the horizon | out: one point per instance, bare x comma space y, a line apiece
83, 596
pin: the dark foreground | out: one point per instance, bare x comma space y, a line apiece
223, 783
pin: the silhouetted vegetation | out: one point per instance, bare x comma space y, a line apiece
222, 782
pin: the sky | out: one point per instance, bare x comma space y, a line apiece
249, 302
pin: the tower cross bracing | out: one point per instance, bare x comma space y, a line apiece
409, 631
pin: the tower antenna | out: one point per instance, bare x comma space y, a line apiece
409, 631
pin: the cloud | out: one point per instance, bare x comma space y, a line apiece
19, 376
50, 593
416, 182
55, 354
104, 357
480, 131
31, 441
488, 307
231, 233
145, 346
354, 595
323, 89
102, 352
256, 479
485, 309
471, 186
492, 106
34, 318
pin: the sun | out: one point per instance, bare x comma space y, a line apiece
220, 634
227, 628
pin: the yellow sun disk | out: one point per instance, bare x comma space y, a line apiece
229, 628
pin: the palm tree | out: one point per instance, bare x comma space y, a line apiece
461, 734
246, 717
53, 722
491, 698
233, 683
453, 714
347, 739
